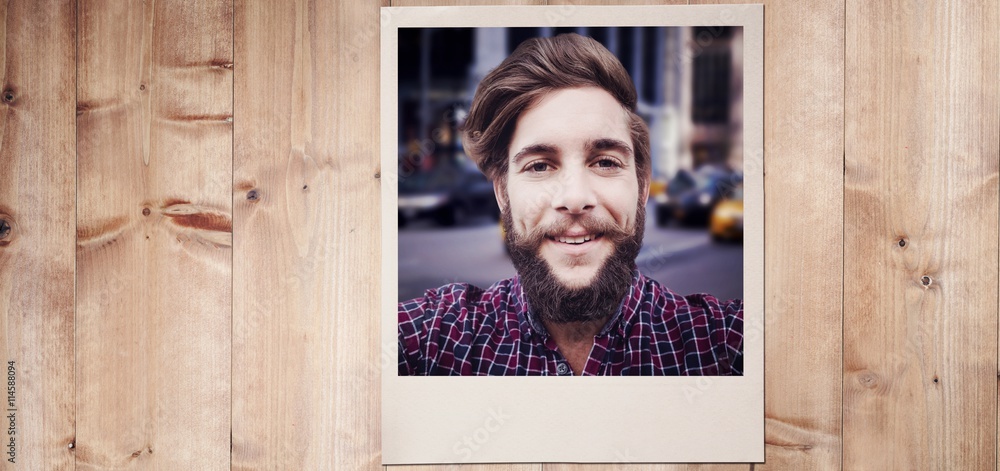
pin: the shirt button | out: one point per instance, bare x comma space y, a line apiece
562, 369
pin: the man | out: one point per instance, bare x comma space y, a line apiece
554, 127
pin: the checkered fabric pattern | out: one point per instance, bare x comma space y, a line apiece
460, 329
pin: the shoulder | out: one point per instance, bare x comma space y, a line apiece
438, 300
708, 327
664, 302
454, 303
438, 330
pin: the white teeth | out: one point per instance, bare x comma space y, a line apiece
575, 240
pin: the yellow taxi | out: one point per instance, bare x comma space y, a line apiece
726, 222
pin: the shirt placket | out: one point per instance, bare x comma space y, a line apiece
556, 358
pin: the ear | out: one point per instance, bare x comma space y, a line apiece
499, 193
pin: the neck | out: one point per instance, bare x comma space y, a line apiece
575, 340
565, 333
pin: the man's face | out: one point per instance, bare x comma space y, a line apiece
572, 182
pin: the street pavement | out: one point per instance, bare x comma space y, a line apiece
683, 259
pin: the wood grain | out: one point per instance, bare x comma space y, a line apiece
154, 242
37, 193
305, 332
190, 322
920, 309
804, 220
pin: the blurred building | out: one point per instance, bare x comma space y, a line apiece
711, 101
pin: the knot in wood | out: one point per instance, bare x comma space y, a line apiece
5, 229
868, 379
926, 280
253, 195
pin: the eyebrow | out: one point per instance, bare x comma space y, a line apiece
609, 144
534, 149
591, 146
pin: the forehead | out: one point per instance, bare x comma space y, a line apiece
570, 118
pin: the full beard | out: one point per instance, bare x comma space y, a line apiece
553, 301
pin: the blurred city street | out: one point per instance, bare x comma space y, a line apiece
683, 259
689, 87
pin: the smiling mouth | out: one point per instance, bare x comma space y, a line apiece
576, 240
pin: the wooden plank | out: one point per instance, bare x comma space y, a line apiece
803, 85
306, 272
920, 311
154, 247
37, 223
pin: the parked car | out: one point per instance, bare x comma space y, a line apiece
448, 194
690, 197
727, 217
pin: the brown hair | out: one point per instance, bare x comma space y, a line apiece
537, 67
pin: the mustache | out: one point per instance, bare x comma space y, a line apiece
590, 223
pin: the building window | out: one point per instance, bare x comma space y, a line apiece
711, 77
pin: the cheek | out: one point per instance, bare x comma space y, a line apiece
526, 204
626, 215
525, 213
623, 205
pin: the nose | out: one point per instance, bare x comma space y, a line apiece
575, 194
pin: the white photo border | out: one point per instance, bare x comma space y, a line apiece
577, 419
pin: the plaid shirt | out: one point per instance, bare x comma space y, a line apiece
459, 329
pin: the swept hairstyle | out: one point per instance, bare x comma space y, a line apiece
539, 66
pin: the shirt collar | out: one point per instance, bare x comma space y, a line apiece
530, 324
526, 320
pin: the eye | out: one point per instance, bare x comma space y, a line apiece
538, 167
608, 162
